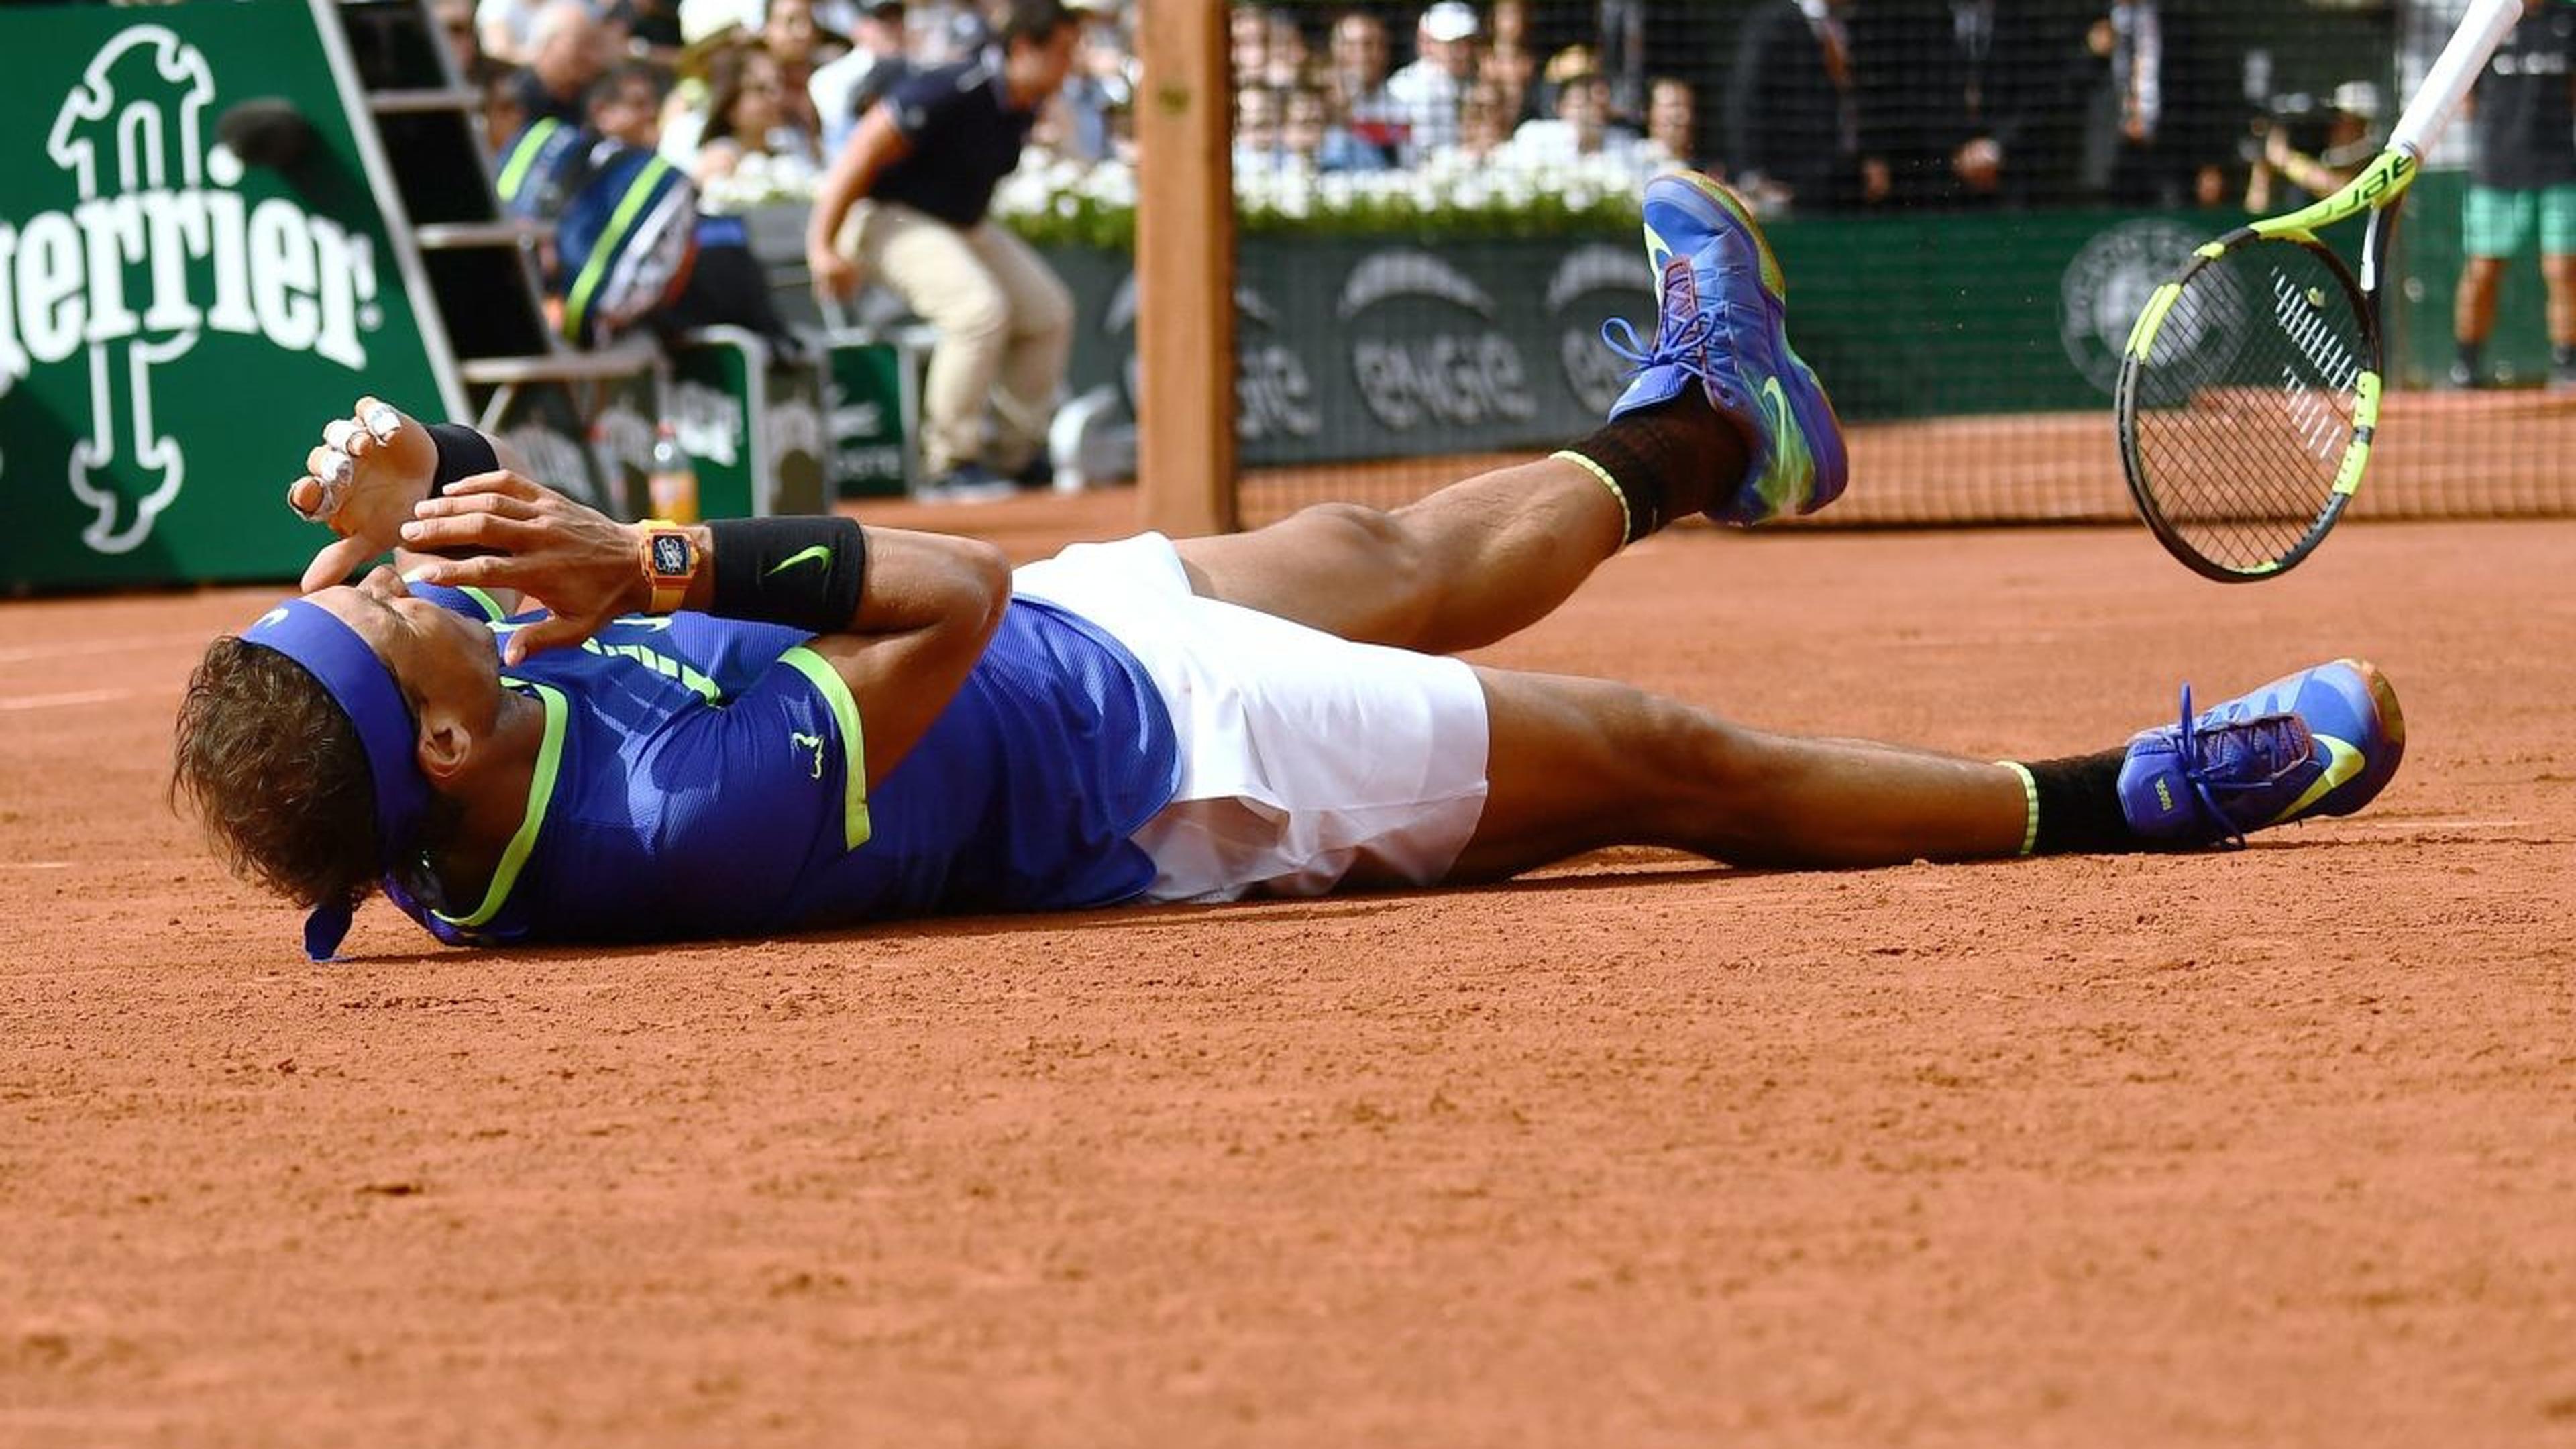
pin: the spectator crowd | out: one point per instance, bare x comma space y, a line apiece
1807, 105
913, 124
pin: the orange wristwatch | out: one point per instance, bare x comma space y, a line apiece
670, 563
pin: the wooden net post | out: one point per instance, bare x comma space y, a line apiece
1185, 270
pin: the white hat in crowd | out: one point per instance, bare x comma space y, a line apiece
702, 19
1449, 20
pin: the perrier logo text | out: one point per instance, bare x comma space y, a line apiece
158, 248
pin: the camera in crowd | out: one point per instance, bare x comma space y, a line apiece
2339, 129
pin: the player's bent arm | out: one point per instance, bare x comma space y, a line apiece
901, 616
371, 469
931, 605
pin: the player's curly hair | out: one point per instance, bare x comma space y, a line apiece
275, 772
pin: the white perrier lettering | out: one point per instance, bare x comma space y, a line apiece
157, 243
277, 272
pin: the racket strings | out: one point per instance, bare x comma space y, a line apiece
2245, 402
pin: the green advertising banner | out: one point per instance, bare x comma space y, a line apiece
176, 326
1351, 348
864, 402
714, 389
754, 426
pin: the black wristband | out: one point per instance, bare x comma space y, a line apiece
462, 453
802, 572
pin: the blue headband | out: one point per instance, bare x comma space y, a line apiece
365, 690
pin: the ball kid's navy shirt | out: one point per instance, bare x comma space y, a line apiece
965, 138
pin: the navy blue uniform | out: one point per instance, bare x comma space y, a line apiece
703, 777
965, 138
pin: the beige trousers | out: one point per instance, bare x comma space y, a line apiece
1005, 326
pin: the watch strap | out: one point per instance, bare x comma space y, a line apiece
669, 589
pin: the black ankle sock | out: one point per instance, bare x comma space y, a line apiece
1667, 461
2472, 356
2562, 356
2079, 805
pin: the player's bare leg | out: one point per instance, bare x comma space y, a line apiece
1720, 416
1482, 558
1577, 764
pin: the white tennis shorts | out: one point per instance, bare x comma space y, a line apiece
1304, 757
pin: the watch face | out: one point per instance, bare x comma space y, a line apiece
670, 554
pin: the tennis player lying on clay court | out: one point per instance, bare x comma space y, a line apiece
760, 726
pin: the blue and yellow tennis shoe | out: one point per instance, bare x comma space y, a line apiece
1721, 319
2320, 742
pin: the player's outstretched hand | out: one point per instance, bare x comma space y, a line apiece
583, 566
371, 467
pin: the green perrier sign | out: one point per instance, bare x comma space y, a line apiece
176, 326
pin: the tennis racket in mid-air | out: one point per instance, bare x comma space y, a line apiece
2249, 393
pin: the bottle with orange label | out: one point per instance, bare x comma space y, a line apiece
672, 482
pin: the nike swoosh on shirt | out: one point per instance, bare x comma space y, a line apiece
817, 553
2344, 763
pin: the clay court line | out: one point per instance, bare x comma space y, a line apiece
64, 701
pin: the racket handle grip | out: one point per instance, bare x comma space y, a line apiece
2454, 71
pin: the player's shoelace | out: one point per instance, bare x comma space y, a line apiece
2274, 743
1678, 346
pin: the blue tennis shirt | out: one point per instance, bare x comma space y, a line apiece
704, 777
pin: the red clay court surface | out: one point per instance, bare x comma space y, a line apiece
2276, 1147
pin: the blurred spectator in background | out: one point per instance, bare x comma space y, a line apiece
1307, 132
1509, 64
907, 202
793, 40
1946, 87
747, 128
1580, 130
1256, 128
1291, 132
1672, 125
464, 51
2522, 180
2303, 152
1426, 91
843, 90
1248, 44
1288, 60
2139, 149
1099, 97
1358, 85
506, 29
1792, 109
1485, 126
946, 32
569, 51
627, 104
503, 117
652, 29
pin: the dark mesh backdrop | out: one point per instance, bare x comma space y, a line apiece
1971, 202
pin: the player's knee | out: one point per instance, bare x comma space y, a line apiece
1392, 551
1739, 774
1401, 593
1369, 536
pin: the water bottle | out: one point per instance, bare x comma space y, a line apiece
673, 482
